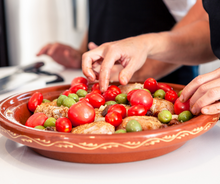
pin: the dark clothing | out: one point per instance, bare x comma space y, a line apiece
213, 9
112, 20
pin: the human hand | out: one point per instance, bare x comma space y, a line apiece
62, 54
204, 91
131, 53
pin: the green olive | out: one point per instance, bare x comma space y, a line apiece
121, 98
133, 126
147, 90
179, 93
159, 94
50, 122
120, 131
40, 127
165, 116
74, 96
46, 101
68, 102
81, 93
60, 100
185, 116
110, 103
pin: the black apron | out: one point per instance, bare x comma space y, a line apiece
213, 9
112, 20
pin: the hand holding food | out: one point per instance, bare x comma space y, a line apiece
131, 53
204, 93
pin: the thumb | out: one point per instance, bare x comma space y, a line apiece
92, 45
126, 74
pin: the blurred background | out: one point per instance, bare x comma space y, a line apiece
27, 25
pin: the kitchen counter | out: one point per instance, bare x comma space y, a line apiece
197, 161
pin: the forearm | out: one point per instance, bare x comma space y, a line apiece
155, 69
189, 45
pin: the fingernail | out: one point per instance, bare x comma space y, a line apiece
124, 80
181, 98
205, 111
90, 78
193, 110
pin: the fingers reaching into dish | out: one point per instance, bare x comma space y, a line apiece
62, 54
131, 53
204, 91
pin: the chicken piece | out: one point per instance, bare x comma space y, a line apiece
51, 110
98, 113
100, 127
146, 122
160, 105
127, 88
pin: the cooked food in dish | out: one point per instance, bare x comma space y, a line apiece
100, 127
83, 109
146, 122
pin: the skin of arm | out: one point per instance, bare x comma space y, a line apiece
188, 43
158, 69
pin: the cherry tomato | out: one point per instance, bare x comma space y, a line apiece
114, 88
35, 100
36, 119
67, 92
150, 84
76, 87
114, 118
171, 96
95, 86
63, 125
130, 93
95, 99
110, 95
142, 97
164, 87
137, 110
180, 107
79, 80
96, 91
81, 113
118, 108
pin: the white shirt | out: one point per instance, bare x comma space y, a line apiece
179, 8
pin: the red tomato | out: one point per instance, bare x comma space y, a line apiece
95, 99
81, 113
96, 91
79, 80
118, 108
171, 96
114, 88
110, 95
142, 97
35, 100
164, 87
180, 107
130, 93
63, 125
137, 110
67, 92
36, 119
76, 87
150, 84
95, 86
114, 118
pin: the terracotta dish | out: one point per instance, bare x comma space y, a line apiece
113, 148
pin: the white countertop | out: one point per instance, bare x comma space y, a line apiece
198, 161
